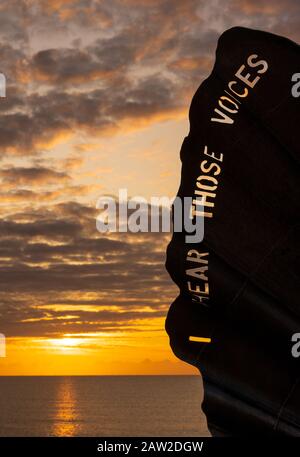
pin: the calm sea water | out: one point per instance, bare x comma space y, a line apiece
102, 406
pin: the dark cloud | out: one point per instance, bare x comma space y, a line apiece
31, 175
58, 113
65, 65
100, 60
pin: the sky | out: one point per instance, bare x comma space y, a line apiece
97, 99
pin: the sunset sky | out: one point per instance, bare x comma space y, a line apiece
98, 94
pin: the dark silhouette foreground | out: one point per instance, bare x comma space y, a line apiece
240, 285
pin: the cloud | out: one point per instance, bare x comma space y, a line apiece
84, 69
51, 117
49, 256
32, 175
13, 15
66, 65
143, 70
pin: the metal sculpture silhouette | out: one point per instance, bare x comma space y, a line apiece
238, 308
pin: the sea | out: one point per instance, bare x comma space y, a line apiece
101, 406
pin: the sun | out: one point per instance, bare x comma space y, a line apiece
66, 344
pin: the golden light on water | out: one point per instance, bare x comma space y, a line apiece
66, 413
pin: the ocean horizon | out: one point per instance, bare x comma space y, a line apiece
106, 405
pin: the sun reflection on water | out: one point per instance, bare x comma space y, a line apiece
66, 412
